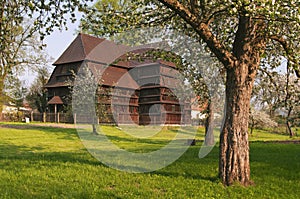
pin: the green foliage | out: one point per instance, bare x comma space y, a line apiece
15, 90
282, 19
107, 18
20, 22
45, 162
37, 96
106, 12
16, 116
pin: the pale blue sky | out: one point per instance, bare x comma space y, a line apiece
56, 43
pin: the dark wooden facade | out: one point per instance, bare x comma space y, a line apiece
157, 101
60, 82
145, 96
120, 105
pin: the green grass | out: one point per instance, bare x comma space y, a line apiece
271, 135
46, 162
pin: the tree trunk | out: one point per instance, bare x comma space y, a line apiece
288, 125
95, 132
1, 109
272, 111
234, 163
94, 125
2, 97
252, 124
289, 129
209, 125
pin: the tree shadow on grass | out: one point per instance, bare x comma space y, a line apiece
158, 142
211, 178
34, 156
140, 140
18, 157
30, 156
190, 166
275, 159
268, 160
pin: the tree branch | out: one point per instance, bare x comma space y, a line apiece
203, 30
212, 16
283, 42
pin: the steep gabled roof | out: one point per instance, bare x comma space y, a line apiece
55, 100
79, 49
86, 47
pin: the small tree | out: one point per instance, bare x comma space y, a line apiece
37, 96
259, 119
87, 95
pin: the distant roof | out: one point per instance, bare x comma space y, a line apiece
86, 47
55, 100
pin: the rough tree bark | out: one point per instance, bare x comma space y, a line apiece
234, 165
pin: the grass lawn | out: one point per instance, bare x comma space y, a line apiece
48, 162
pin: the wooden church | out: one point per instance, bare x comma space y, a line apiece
137, 92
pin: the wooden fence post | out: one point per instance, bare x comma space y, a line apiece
31, 116
74, 117
44, 117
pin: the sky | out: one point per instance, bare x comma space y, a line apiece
56, 44
58, 41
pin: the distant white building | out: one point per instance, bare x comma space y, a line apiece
197, 110
10, 107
